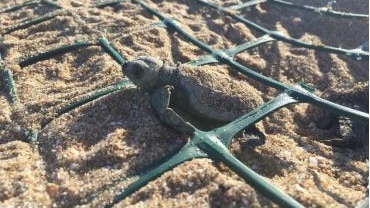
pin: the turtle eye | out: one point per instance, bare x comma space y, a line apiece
124, 64
138, 72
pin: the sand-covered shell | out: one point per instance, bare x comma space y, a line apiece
214, 94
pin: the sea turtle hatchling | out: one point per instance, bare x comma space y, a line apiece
203, 95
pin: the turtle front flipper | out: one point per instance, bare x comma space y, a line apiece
254, 137
160, 101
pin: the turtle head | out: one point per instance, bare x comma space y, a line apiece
143, 71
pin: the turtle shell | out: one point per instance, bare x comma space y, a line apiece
210, 92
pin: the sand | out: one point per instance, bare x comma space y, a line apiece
81, 157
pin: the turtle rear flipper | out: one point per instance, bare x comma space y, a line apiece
344, 143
